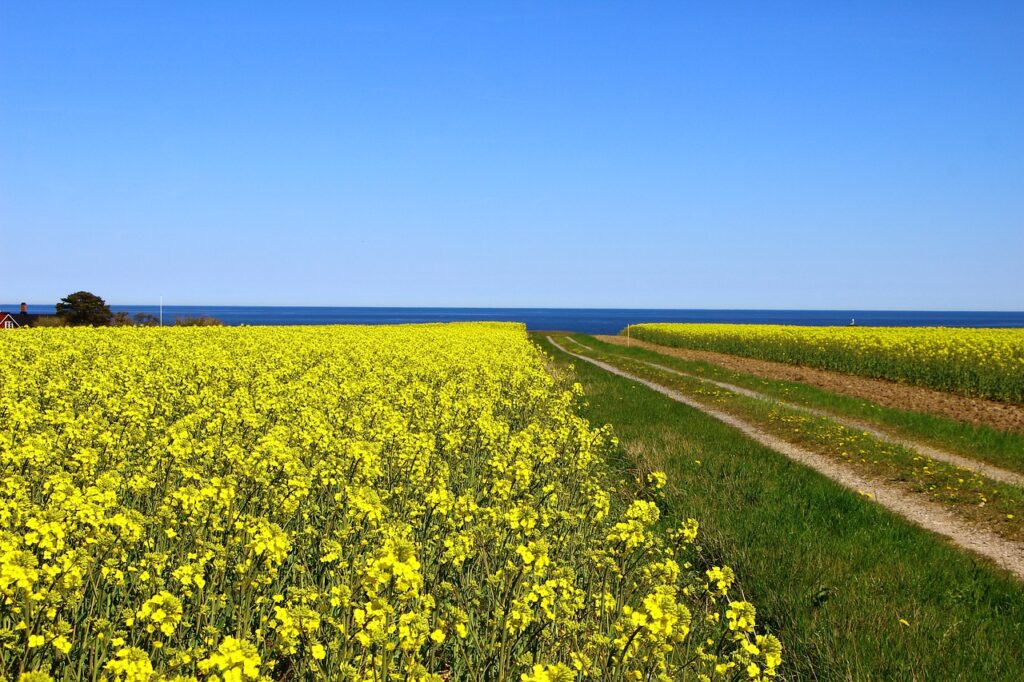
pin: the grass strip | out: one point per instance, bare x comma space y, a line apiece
854, 591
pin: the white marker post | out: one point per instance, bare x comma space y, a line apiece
161, 311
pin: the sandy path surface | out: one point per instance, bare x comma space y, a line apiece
901, 396
928, 515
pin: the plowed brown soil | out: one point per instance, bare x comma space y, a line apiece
901, 396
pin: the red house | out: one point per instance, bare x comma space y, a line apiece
18, 320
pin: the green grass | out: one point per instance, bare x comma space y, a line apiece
831, 573
1000, 448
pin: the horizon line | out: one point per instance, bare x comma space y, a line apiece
521, 307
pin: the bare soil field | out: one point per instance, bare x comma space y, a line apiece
901, 396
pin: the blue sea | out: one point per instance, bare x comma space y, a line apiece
587, 320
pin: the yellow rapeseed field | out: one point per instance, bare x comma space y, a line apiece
335, 503
980, 362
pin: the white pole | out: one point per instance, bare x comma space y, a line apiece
161, 311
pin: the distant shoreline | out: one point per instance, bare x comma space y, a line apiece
586, 320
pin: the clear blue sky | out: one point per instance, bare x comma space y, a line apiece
714, 155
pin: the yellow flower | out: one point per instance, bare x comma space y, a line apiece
240, 502
558, 672
131, 665
163, 611
741, 616
62, 644
36, 676
235, 659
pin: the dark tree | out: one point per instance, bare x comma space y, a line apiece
82, 308
121, 319
198, 321
146, 320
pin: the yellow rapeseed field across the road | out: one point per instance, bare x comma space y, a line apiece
338, 503
987, 363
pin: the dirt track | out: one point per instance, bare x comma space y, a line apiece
901, 396
1007, 554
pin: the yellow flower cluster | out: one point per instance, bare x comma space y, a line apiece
981, 362
334, 503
